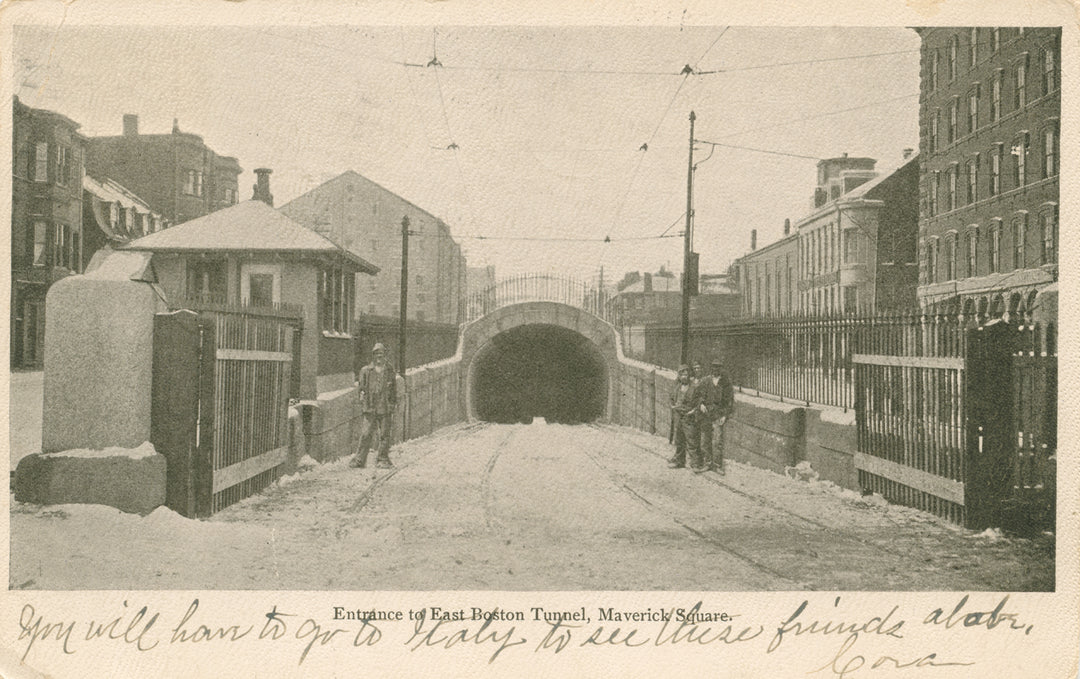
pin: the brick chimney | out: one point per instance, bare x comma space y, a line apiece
647, 285
753, 239
131, 125
261, 190
787, 227
908, 153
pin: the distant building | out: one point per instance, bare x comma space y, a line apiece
46, 220
365, 218
251, 254
854, 253
656, 299
177, 174
989, 121
112, 215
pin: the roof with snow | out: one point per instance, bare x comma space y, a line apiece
248, 227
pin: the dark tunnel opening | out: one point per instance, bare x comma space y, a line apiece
539, 371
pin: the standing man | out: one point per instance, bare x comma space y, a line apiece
685, 427
377, 391
717, 403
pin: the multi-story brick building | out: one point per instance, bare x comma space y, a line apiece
177, 174
989, 115
854, 253
46, 220
362, 216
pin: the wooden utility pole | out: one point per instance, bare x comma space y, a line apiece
685, 355
404, 294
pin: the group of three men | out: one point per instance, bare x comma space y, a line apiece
700, 406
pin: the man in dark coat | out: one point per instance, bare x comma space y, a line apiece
684, 423
377, 392
716, 401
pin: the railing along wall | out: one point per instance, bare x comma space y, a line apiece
542, 288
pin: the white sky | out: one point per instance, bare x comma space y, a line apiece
541, 152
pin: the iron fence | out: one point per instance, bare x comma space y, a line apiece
543, 288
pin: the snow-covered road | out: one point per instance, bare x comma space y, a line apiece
525, 507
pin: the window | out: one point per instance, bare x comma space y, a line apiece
40, 250
931, 261
193, 183
934, 179
63, 165
994, 185
954, 53
995, 249
953, 129
337, 295
41, 161
1019, 234
261, 289
973, 110
66, 247
419, 280
851, 246
973, 253
934, 120
950, 258
371, 283
374, 245
1048, 231
973, 180
995, 98
1019, 154
1049, 73
206, 279
950, 189
1050, 153
1020, 93
230, 196
421, 298
974, 47
995, 39
371, 308
933, 70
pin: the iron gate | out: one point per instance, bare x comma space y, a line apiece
220, 398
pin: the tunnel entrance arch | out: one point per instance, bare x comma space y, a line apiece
540, 359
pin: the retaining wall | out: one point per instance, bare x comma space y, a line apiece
761, 432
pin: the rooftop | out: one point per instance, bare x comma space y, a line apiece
251, 226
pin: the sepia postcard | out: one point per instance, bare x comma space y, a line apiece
400, 339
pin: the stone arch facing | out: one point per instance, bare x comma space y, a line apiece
478, 337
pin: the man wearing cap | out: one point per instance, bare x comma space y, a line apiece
377, 391
716, 399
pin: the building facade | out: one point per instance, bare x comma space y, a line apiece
112, 215
656, 299
854, 253
46, 220
177, 174
990, 107
365, 218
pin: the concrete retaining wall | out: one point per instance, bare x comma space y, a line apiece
761, 432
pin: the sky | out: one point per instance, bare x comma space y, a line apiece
522, 132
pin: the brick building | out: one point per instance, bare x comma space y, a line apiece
362, 216
46, 220
989, 116
177, 174
855, 252
656, 299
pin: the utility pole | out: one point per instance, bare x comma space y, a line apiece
404, 294
685, 355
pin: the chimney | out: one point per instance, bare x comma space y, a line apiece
787, 227
908, 152
176, 126
262, 186
845, 154
753, 239
647, 287
131, 125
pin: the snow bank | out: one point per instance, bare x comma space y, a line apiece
141, 452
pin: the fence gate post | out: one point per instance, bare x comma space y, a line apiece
988, 397
180, 429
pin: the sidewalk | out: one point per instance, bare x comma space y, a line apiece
24, 413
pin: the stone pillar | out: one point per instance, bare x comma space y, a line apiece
98, 357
